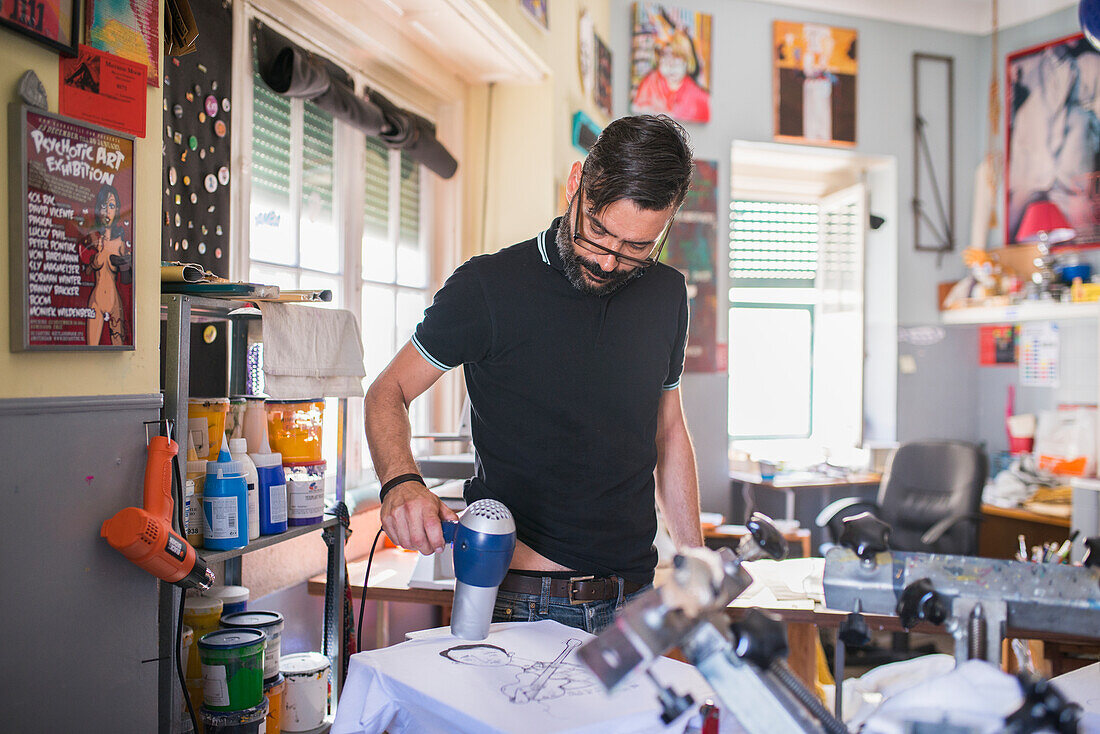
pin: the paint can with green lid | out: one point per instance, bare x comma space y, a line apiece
232, 668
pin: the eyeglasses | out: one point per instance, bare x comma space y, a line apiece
597, 249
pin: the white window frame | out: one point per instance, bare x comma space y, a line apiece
439, 208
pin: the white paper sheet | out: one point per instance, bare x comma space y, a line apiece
524, 678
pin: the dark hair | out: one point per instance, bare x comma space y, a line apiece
447, 653
646, 159
117, 230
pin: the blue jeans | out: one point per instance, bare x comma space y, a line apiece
590, 616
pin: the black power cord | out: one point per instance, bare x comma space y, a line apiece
181, 517
366, 578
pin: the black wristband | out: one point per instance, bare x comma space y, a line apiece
399, 479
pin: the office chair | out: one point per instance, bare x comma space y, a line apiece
930, 495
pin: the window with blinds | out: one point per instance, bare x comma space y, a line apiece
773, 244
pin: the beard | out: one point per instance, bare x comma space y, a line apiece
576, 264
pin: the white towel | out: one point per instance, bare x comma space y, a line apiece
311, 352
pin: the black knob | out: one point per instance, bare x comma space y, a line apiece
919, 600
865, 534
853, 631
760, 638
767, 536
1092, 552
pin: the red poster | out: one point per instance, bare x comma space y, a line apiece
997, 345
76, 269
104, 89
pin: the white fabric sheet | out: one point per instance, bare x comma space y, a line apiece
530, 682
311, 352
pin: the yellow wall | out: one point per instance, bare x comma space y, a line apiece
530, 152
42, 374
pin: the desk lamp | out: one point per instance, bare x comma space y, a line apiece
1044, 225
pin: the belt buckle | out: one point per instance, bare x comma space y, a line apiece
572, 581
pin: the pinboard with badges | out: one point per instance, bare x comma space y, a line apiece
198, 117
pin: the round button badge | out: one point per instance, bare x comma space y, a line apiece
211, 182
219, 128
223, 175
211, 103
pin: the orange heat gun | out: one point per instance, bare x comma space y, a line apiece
146, 537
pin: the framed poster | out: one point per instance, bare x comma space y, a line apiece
1051, 147
670, 64
602, 95
538, 11
815, 69
53, 23
72, 233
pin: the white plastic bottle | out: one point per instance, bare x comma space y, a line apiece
238, 448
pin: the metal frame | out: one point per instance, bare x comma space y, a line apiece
179, 311
920, 144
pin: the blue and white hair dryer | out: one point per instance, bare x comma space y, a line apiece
484, 539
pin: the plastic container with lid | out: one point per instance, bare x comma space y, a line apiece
224, 504
196, 479
250, 721
206, 425
234, 598
272, 625
269, 470
305, 701
232, 669
294, 429
273, 692
254, 425
238, 449
203, 615
305, 492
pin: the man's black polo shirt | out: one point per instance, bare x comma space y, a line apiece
564, 389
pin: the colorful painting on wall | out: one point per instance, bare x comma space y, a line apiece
53, 23
1052, 148
74, 238
127, 28
691, 249
815, 83
670, 71
602, 95
538, 11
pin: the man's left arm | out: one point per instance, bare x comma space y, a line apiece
677, 481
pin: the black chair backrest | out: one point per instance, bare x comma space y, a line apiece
927, 481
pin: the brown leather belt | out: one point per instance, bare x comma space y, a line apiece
577, 589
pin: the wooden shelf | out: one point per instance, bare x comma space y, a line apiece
1026, 311
264, 541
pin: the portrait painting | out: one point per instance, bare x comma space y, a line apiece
815, 68
670, 69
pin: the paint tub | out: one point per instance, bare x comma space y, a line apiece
194, 690
271, 623
234, 598
273, 692
202, 614
196, 480
232, 669
206, 425
294, 429
305, 492
249, 721
305, 700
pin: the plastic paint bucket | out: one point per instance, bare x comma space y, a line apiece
273, 691
294, 429
202, 614
305, 492
234, 598
232, 669
206, 425
271, 623
194, 690
249, 721
305, 700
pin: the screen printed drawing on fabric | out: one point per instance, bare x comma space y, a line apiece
535, 680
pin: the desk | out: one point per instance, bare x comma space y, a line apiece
717, 537
1001, 526
820, 490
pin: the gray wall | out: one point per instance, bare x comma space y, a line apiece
79, 633
901, 282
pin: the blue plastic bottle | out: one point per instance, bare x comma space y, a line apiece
269, 467
224, 503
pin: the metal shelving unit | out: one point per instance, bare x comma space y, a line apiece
180, 311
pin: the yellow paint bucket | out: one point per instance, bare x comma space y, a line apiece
294, 429
206, 425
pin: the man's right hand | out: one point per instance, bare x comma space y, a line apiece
412, 517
